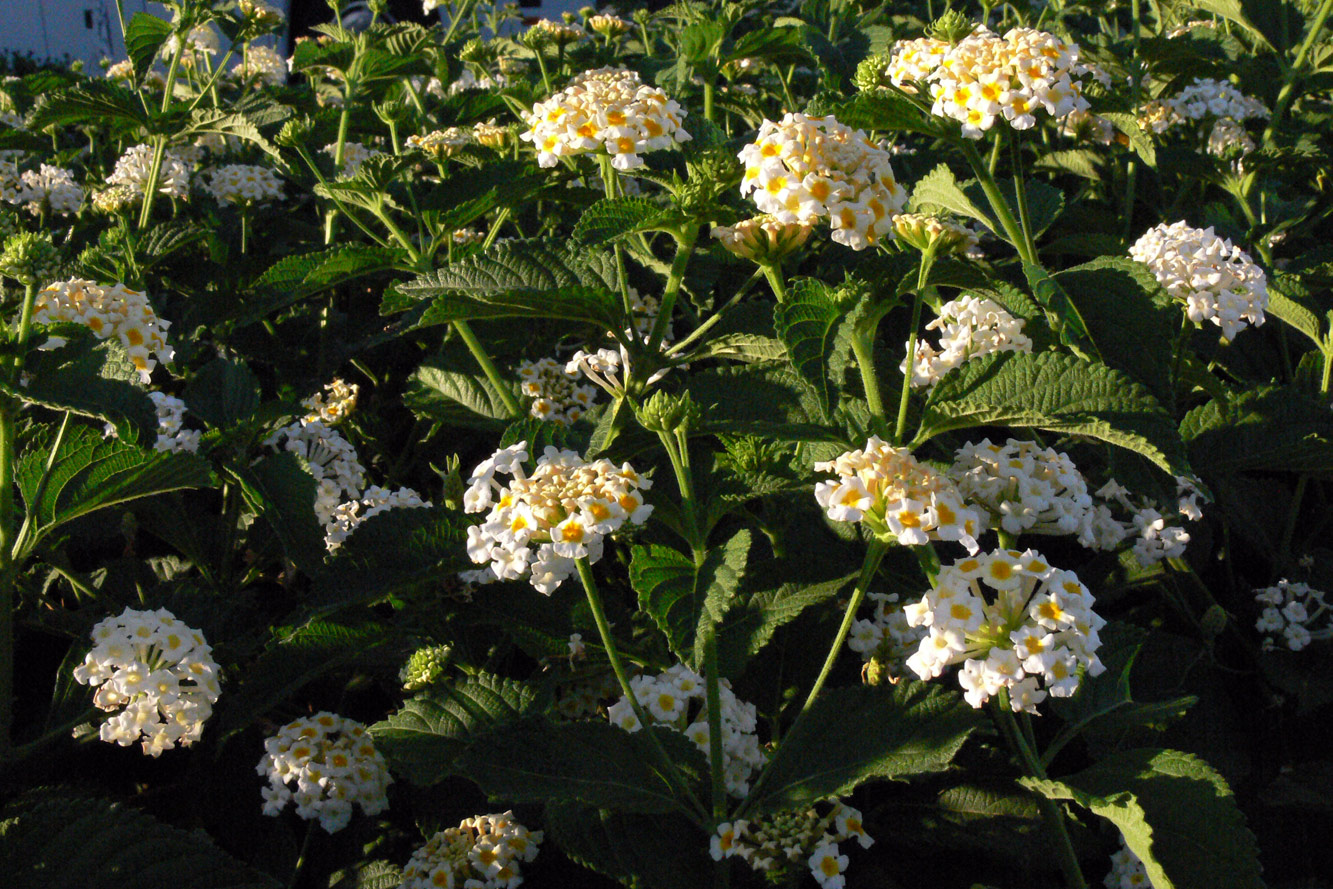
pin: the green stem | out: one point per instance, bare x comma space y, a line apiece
618, 667
18, 553
541, 63
708, 99
863, 347
488, 367
300, 856
611, 189
491, 235
712, 690
904, 396
874, 555
773, 272
1013, 231
1284, 96
684, 247
23, 751
1021, 192
1050, 812
344, 122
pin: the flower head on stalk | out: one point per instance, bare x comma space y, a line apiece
483, 852
159, 673
609, 111
763, 239
969, 327
1025, 488
112, 311
1014, 622
333, 762
803, 169
538, 525
896, 497
933, 232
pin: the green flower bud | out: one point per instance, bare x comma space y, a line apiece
295, 132
872, 72
763, 240
953, 26
425, 667
924, 232
30, 258
668, 413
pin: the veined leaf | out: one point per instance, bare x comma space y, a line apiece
91, 473
749, 348
280, 490
91, 378
91, 101
1055, 391
686, 601
640, 851
223, 393
1128, 125
235, 124
586, 305
421, 740
939, 190
1270, 428
611, 219
1176, 814
888, 111
454, 396
1254, 16
807, 322
755, 617
594, 763
61, 839
852, 735
144, 36
1079, 161
1285, 301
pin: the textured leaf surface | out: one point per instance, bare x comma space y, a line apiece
887, 111
1059, 392
421, 740
144, 36
611, 219
593, 763
281, 492
223, 393
807, 322
453, 396
939, 190
58, 839
855, 734
755, 617
1270, 428
92, 473
684, 600
640, 851
1175, 812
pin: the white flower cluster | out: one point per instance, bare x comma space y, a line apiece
354, 155
1024, 487
334, 765
1127, 871
132, 169
202, 40
114, 311
803, 169
334, 403
441, 144
332, 461
347, 517
1205, 98
172, 436
970, 327
262, 64
583, 699
244, 184
1216, 281
481, 853
261, 12
158, 672
490, 134
1228, 138
607, 25
47, 189
556, 394
1088, 126
886, 636
984, 77
608, 109
544, 31
774, 844
1155, 537
565, 509
1296, 612
676, 699
1014, 622
763, 239
896, 496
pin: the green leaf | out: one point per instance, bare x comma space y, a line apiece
91, 378
234, 124
144, 36
61, 839
1175, 812
1058, 392
686, 601
394, 553
296, 657
455, 397
223, 393
780, 46
1082, 162
887, 111
91, 101
421, 740
756, 616
281, 492
611, 219
939, 190
1271, 428
807, 322
1286, 301
91, 473
377, 874
852, 735
594, 763
640, 851
1248, 14
748, 348
1129, 318
1128, 125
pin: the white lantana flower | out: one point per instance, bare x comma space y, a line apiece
244, 184
802, 169
111, 311
347, 517
538, 525
133, 168
1025, 488
970, 327
332, 763
1295, 614
557, 396
50, 189
607, 110
483, 852
158, 672
1014, 622
1217, 281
